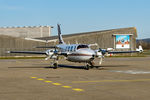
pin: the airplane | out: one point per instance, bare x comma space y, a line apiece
81, 53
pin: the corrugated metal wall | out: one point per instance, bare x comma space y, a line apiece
105, 39
26, 32
8, 43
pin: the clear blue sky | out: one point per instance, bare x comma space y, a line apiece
78, 15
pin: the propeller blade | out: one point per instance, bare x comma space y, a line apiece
47, 58
100, 61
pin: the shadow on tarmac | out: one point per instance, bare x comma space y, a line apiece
116, 66
30, 67
73, 67
59, 66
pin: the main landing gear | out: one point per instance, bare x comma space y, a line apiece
87, 67
55, 63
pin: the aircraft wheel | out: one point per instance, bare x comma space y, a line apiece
87, 67
97, 67
91, 66
55, 65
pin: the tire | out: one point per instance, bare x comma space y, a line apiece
87, 67
55, 65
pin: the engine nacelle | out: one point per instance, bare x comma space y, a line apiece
99, 54
49, 52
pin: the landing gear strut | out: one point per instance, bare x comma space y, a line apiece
92, 64
55, 64
87, 67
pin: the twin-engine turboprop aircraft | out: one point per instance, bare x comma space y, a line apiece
81, 53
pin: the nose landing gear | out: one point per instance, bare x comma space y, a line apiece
55, 63
90, 65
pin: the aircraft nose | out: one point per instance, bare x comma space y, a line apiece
91, 52
88, 52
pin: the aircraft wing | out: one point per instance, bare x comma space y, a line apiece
38, 52
27, 52
139, 50
47, 47
117, 52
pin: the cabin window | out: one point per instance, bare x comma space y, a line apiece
74, 48
71, 48
82, 46
66, 48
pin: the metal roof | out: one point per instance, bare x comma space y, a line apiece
87, 33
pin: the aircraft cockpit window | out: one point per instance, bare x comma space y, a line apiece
82, 46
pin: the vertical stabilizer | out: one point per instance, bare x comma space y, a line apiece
59, 35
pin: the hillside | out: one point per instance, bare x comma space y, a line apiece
147, 40
144, 42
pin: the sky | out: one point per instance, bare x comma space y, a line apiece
78, 15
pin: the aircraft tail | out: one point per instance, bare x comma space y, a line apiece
61, 41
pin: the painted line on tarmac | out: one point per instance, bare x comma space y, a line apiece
58, 84
40, 79
77, 89
98, 81
48, 81
132, 71
33, 77
66, 86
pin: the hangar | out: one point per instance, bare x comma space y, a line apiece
122, 39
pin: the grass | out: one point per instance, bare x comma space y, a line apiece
146, 52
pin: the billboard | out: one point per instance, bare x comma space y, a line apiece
122, 41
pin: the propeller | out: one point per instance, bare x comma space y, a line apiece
100, 53
100, 56
51, 54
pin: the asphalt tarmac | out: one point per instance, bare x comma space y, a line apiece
34, 79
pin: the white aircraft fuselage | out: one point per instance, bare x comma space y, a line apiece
77, 52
